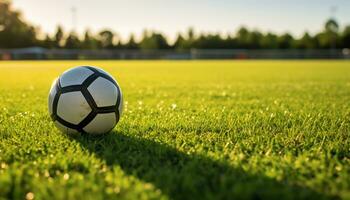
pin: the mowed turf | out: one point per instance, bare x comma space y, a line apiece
190, 130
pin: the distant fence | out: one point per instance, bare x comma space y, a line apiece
36, 53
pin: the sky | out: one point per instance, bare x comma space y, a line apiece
173, 16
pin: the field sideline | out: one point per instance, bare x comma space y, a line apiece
189, 130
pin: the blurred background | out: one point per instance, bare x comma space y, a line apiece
163, 29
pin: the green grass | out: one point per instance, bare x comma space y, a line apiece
190, 130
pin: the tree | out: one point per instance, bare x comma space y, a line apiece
131, 44
72, 41
106, 39
211, 41
89, 42
48, 42
186, 42
332, 28
329, 37
190, 33
254, 40
118, 43
154, 41
285, 41
306, 42
15, 33
180, 42
346, 37
242, 37
59, 37
231, 42
269, 41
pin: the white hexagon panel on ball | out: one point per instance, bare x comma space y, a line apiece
73, 107
104, 92
75, 76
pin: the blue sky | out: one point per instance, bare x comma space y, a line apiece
172, 16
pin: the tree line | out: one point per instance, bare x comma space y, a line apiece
17, 33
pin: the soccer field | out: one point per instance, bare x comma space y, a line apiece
189, 130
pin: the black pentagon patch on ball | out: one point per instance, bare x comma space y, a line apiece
83, 88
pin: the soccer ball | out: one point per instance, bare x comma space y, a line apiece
85, 99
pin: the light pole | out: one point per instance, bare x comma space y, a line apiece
74, 18
333, 36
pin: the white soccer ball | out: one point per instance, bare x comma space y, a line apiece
85, 99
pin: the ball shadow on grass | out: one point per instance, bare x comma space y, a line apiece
182, 176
